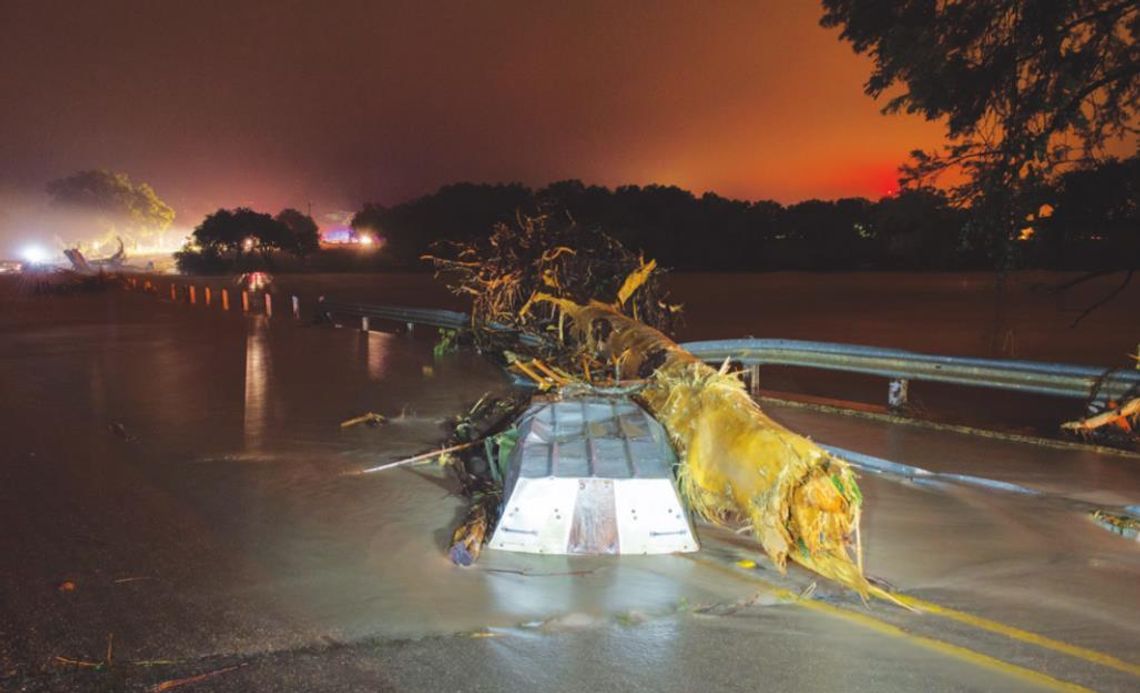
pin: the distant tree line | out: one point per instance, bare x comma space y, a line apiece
1089, 220
113, 204
243, 239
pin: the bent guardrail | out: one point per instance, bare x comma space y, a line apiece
897, 365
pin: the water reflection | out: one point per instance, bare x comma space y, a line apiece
257, 364
98, 388
379, 344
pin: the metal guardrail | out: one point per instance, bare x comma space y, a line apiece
431, 317
444, 319
1058, 379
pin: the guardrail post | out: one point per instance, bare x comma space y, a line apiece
173, 293
268, 305
897, 393
296, 308
193, 295
411, 327
208, 295
754, 379
363, 323
244, 301
322, 314
225, 299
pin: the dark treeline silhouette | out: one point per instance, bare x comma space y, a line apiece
244, 239
1093, 223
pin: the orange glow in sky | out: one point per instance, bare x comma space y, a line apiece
345, 101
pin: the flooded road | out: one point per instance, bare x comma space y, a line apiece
183, 469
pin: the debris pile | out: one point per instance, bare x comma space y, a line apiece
551, 255
597, 316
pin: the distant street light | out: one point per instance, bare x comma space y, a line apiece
34, 254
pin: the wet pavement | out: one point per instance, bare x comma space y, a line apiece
174, 484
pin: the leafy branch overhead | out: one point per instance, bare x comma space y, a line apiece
1027, 88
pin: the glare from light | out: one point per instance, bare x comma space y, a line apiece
365, 239
34, 254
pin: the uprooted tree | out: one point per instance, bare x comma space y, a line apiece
569, 307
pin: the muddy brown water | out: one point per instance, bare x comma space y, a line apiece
962, 314
222, 520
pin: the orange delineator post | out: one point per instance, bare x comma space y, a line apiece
207, 292
244, 301
225, 299
193, 295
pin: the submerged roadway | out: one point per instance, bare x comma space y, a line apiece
178, 508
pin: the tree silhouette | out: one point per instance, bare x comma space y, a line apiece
113, 203
918, 229
1026, 88
302, 235
230, 237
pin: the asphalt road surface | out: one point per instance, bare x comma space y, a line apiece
177, 506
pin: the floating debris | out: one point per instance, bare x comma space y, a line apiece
424, 457
1124, 525
372, 419
119, 430
178, 683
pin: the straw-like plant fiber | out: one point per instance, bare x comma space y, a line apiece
736, 464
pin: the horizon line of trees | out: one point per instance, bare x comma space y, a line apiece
1090, 220
243, 239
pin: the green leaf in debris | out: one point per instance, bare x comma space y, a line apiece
498, 448
850, 490
803, 547
448, 342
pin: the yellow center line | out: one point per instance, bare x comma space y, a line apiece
963, 653
872, 623
1022, 635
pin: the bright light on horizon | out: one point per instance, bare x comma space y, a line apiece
34, 254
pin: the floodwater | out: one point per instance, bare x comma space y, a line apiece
960, 314
183, 469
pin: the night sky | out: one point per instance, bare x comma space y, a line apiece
273, 104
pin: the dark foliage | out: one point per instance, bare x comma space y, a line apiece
1095, 221
920, 228
302, 236
242, 239
458, 212
1027, 88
